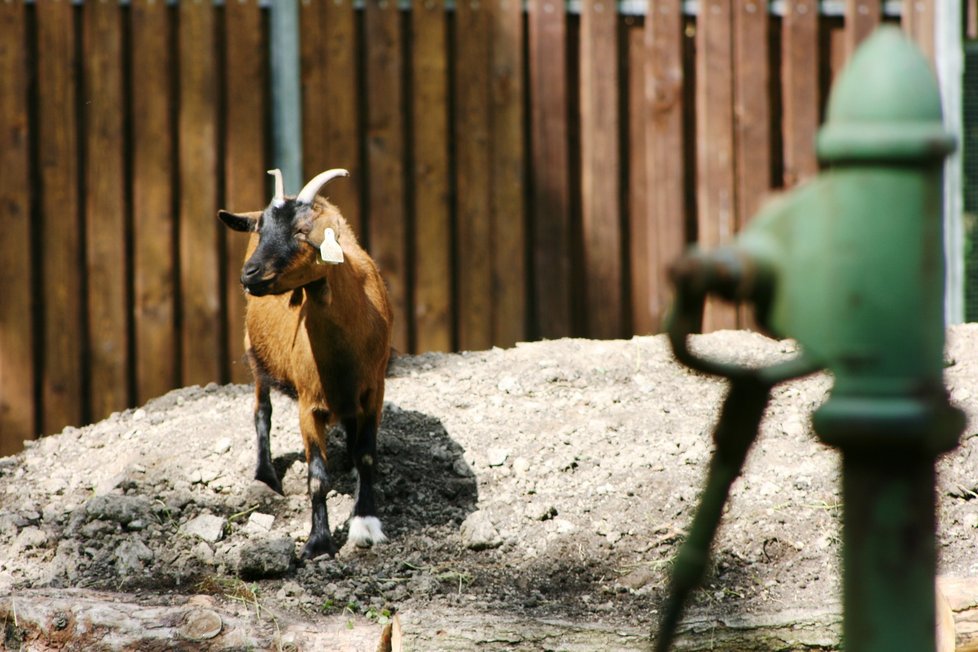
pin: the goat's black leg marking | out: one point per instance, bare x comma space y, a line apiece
364, 526
264, 470
320, 541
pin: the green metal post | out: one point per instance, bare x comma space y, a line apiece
851, 265
888, 411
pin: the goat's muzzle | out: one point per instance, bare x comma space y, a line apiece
253, 278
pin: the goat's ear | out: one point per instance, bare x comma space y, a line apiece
242, 222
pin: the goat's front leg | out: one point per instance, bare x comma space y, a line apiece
312, 422
361, 436
264, 470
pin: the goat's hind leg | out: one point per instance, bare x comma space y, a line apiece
361, 437
264, 470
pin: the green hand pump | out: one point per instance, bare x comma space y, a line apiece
850, 265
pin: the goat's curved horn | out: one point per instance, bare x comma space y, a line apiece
279, 198
308, 194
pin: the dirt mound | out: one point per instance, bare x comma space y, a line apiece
549, 482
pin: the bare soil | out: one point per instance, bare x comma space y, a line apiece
549, 483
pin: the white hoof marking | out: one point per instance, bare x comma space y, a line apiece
365, 530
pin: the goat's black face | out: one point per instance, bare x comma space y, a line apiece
281, 247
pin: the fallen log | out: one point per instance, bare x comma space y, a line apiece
79, 619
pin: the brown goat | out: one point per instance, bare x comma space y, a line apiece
318, 327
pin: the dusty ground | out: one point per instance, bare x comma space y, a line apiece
549, 483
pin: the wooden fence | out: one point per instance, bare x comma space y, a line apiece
518, 172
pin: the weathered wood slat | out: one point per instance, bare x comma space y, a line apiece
430, 182
862, 17
154, 265
550, 203
244, 158
387, 219
642, 276
601, 173
835, 33
752, 117
752, 108
17, 399
508, 172
919, 22
200, 289
60, 219
471, 135
716, 191
664, 146
107, 262
330, 115
800, 95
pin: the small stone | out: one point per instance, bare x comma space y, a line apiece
509, 385
119, 508
130, 556
208, 527
971, 520
290, 590
265, 558
497, 456
521, 465
222, 445
639, 578
461, 468
203, 553
259, 523
478, 532
139, 415
564, 526
31, 537
201, 625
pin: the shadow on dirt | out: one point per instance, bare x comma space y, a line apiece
423, 478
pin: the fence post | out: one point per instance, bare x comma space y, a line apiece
286, 92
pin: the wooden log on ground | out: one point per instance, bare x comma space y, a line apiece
79, 619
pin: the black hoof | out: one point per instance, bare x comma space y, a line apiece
318, 546
268, 477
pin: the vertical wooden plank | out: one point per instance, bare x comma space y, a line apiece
752, 108
385, 158
430, 181
508, 175
752, 117
550, 199
62, 373
642, 275
17, 400
471, 135
919, 20
665, 189
330, 92
861, 18
105, 210
156, 345
200, 291
244, 156
799, 64
715, 191
834, 33
600, 174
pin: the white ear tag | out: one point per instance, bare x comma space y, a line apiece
330, 251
